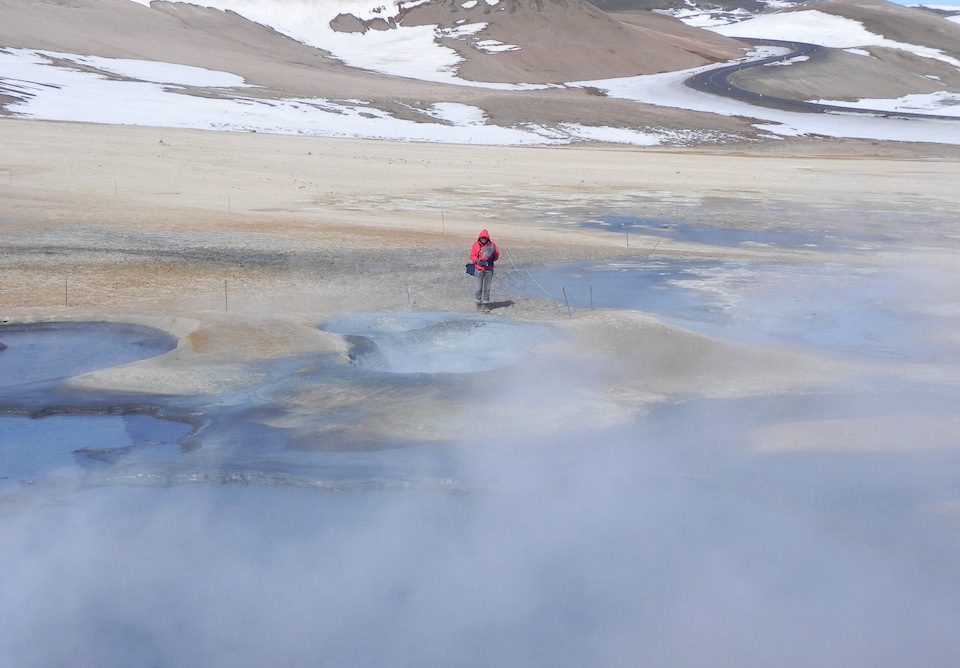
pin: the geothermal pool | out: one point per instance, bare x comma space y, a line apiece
47, 352
147, 538
424, 342
66, 445
49, 432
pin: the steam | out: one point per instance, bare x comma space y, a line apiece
653, 545
668, 540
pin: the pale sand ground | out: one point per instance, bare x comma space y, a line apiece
147, 225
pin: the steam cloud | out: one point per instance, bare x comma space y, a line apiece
652, 546
665, 542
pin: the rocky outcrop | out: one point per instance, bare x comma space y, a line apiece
350, 23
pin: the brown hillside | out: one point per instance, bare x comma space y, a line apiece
571, 40
901, 24
885, 73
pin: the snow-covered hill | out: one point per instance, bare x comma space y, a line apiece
882, 57
534, 41
471, 71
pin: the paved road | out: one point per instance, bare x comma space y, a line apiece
717, 82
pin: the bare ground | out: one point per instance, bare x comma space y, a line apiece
122, 221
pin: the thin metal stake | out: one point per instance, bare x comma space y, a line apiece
654, 249
443, 224
567, 302
229, 205
628, 240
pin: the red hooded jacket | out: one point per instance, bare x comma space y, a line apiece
487, 253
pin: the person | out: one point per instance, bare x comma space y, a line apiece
483, 255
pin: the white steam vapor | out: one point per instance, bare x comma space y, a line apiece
667, 541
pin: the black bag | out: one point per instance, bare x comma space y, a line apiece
470, 268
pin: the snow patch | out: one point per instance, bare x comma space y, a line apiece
668, 90
43, 90
765, 51
816, 27
942, 103
788, 61
705, 18
457, 114
461, 31
780, 130
493, 46
612, 135
158, 72
404, 51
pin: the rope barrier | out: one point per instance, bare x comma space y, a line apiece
79, 290
546, 292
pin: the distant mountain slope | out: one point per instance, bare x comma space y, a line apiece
900, 24
700, 13
277, 83
878, 51
528, 41
949, 12
177, 33
567, 40
465, 71
751, 6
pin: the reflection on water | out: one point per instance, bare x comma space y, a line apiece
32, 449
79, 433
48, 352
